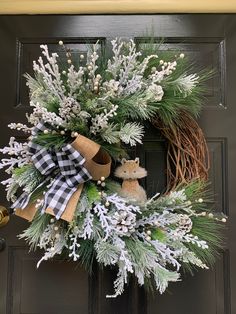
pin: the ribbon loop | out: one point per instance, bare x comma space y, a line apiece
43, 161
73, 155
69, 160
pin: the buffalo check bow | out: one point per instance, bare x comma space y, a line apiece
67, 163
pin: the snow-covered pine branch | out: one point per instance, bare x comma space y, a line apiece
132, 133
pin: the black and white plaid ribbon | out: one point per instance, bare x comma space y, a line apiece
68, 163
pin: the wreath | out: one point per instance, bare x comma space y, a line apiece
87, 113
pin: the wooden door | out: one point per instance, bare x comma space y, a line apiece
60, 287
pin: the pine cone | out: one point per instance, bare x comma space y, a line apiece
124, 222
185, 223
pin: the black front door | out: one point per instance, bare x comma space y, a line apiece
61, 288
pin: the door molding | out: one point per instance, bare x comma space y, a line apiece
115, 6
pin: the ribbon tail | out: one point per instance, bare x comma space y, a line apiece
57, 197
24, 199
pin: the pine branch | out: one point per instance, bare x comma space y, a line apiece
116, 151
111, 134
86, 254
51, 140
131, 133
107, 253
211, 231
134, 107
34, 232
163, 276
27, 177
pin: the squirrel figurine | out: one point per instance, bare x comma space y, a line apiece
130, 172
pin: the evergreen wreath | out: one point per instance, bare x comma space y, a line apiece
86, 113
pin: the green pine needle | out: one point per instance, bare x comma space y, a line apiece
87, 254
211, 231
51, 140
34, 232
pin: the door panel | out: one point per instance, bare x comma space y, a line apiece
61, 287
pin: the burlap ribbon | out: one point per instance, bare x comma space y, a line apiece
75, 163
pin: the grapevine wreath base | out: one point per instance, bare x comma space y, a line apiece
87, 112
